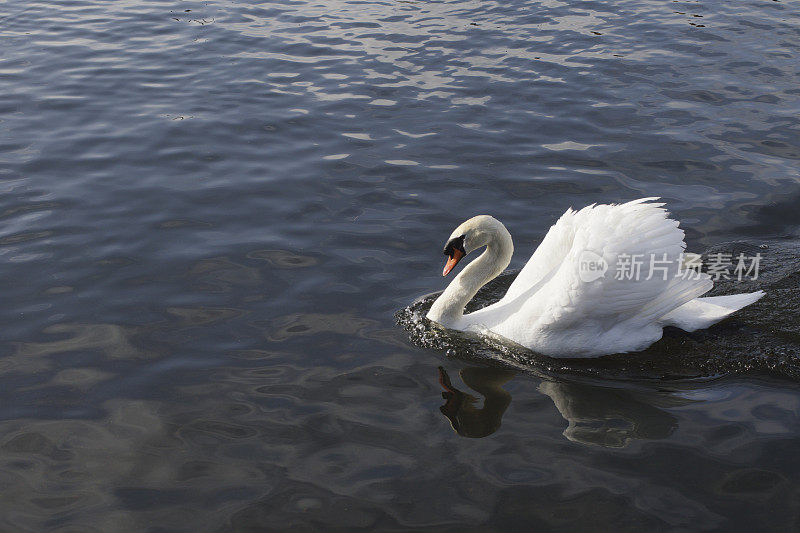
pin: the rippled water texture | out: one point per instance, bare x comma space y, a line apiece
211, 213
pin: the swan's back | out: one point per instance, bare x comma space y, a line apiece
557, 306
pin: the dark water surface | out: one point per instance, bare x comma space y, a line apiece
211, 212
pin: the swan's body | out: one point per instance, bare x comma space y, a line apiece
558, 308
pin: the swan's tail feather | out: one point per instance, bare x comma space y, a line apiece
700, 313
676, 295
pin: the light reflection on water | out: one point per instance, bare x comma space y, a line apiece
211, 213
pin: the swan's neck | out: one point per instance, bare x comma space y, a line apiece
448, 309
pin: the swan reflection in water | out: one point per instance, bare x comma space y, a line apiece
610, 417
595, 415
460, 408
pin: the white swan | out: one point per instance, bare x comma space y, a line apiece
559, 306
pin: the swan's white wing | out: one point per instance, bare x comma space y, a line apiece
547, 257
552, 294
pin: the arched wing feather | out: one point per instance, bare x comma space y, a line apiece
642, 248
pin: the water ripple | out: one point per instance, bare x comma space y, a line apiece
212, 211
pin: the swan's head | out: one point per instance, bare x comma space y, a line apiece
475, 233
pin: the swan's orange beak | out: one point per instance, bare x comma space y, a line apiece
452, 261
